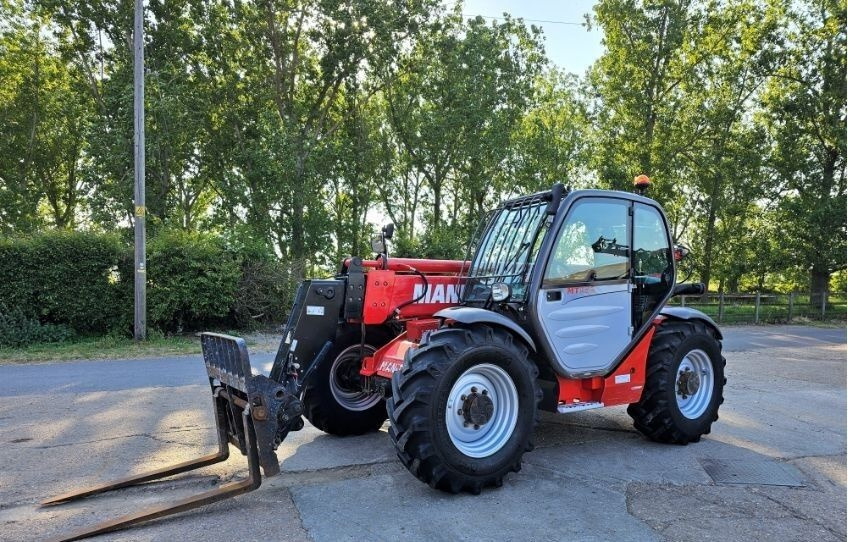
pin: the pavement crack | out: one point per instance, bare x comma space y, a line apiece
593, 427
118, 437
333, 474
798, 515
298, 514
588, 480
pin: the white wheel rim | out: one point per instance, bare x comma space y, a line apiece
694, 384
492, 435
355, 400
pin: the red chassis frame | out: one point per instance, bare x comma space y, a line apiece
389, 289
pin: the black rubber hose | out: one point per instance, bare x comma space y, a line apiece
420, 297
689, 288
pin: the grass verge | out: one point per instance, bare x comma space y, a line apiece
109, 347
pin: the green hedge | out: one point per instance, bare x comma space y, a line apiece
67, 278
192, 280
17, 329
83, 281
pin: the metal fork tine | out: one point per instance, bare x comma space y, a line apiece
253, 481
221, 455
138, 479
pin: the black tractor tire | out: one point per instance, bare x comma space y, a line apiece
418, 405
320, 405
657, 415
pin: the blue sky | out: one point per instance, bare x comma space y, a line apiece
569, 46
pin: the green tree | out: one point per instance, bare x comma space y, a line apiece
805, 104
43, 118
549, 144
675, 87
454, 112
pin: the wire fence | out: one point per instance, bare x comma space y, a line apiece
762, 308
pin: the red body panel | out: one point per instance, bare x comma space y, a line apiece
392, 293
622, 387
389, 358
386, 291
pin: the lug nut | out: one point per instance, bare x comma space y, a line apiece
462, 398
473, 389
459, 412
476, 426
485, 392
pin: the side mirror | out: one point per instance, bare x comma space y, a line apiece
378, 245
388, 231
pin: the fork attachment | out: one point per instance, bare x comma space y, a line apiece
252, 412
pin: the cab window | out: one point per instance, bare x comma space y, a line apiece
592, 244
652, 262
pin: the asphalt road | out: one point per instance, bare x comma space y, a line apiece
773, 467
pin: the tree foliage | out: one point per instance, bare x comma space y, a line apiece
297, 127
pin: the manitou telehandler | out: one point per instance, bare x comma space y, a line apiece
560, 308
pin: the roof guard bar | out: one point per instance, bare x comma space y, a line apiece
557, 191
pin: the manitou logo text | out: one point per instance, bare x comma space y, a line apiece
438, 293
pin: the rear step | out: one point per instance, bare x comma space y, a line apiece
252, 412
567, 408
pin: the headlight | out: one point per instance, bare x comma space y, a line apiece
500, 291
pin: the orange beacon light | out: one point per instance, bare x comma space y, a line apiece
641, 183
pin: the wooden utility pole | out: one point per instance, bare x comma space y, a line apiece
140, 328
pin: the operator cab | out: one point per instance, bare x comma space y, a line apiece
584, 276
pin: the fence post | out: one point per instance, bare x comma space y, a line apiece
791, 306
720, 306
823, 303
757, 309
683, 301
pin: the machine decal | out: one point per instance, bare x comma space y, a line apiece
438, 293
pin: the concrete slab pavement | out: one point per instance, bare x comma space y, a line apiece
592, 477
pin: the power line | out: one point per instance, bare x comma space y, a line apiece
525, 19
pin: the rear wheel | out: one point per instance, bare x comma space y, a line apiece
333, 398
684, 383
463, 408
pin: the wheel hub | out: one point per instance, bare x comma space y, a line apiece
477, 408
482, 410
695, 384
688, 383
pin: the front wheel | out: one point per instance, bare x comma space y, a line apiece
463, 408
684, 383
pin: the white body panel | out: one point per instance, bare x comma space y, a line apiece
588, 327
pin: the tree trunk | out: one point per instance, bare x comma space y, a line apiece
733, 283
298, 241
706, 272
819, 283
437, 206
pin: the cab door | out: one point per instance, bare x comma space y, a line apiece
585, 304
653, 263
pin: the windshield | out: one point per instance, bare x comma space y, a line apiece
507, 250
